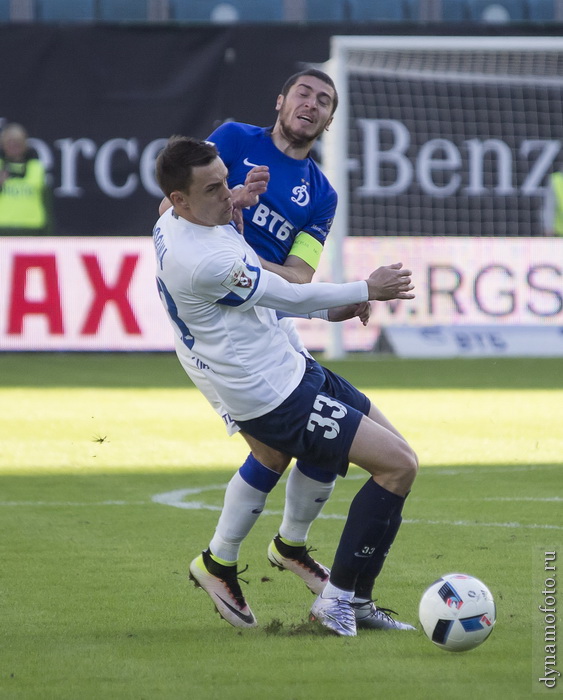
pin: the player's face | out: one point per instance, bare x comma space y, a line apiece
306, 110
208, 200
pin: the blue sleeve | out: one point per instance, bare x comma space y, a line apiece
323, 215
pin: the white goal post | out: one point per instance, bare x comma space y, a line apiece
441, 136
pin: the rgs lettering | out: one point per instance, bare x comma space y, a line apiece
494, 290
491, 291
263, 216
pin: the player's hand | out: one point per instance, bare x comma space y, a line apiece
343, 313
238, 220
390, 282
256, 183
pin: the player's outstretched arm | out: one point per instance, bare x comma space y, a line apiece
385, 283
343, 313
294, 269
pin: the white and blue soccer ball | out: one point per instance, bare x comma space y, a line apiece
457, 612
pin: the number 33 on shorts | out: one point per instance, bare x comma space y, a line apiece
328, 422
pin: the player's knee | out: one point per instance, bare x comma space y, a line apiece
409, 464
414, 464
401, 476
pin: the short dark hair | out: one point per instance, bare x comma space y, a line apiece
175, 163
315, 73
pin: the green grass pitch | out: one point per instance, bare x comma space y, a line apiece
112, 470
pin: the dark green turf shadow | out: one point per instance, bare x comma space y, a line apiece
162, 370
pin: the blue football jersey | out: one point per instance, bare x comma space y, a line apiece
299, 196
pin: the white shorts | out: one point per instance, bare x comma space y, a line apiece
199, 378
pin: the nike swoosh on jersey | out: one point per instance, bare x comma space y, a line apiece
250, 165
321, 500
249, 619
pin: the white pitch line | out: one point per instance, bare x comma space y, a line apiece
176, 500
552, 499
62, 504
493, 499
461, 469
474, 523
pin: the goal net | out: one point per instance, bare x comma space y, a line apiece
446, 136
442, 136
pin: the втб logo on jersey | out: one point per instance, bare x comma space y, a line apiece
301, 196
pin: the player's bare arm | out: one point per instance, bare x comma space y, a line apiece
294, 270
343, 313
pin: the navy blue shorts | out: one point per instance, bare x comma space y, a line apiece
317, 422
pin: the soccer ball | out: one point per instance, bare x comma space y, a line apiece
457, 612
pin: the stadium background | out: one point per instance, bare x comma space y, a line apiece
97, 447
101, 85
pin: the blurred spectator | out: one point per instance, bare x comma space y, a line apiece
553, 206
25, 199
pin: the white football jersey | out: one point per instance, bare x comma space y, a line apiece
221, 304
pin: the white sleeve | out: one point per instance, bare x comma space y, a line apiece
231, 280
322, 314
304, 298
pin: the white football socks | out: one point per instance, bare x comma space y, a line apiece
304, 500
241, 509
